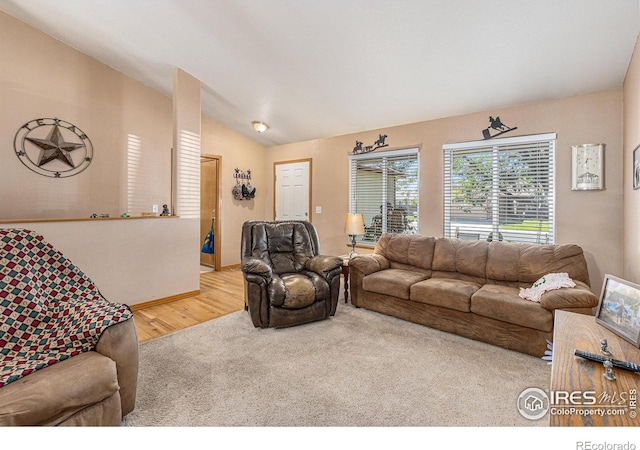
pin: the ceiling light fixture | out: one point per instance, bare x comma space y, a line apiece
260, 127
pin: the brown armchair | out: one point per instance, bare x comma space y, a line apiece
287, 281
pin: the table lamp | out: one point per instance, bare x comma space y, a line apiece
353, 226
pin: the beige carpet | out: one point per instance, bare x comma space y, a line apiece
359, 368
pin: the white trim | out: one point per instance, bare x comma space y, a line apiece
376, 154
502, 141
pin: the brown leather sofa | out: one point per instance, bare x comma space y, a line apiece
287, 281
95, 388
471, 288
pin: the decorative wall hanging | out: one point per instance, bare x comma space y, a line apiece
53, 147
587, 167
496, 124
243, 189
369, 148
636, 168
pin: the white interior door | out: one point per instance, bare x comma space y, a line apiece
292, 191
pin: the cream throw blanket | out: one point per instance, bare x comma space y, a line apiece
548, 282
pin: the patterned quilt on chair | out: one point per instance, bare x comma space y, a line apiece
49, 309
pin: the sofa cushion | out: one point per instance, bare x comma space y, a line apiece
448, 293
464, 257
525, 263
406, 249
578, 297
51, 395
294, 290
504, 303
289, 246
394, 282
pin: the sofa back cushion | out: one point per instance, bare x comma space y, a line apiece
407, 251
460, 259
507, 263
521, 264
283, 245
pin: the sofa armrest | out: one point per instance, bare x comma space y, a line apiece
579, 296
361, 266
325, 266
119, 342
255, 266
368, 264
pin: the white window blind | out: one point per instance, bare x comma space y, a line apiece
501, 190
385, 190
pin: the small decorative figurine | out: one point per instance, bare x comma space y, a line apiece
124, 215
496, 124
603, 347
380, 142
608, 370
165, 211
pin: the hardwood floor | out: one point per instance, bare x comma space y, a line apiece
220, 293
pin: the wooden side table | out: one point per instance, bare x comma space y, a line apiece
345, 274
583, 396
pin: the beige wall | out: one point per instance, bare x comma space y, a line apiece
631, 197
132, 260
128, 124
237, 152
590, 219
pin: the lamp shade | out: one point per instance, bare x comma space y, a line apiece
354, 224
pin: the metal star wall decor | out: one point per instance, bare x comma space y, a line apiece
53, 147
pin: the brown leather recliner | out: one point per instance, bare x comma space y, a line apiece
287, 281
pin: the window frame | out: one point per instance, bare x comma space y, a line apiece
376, 155
495, 146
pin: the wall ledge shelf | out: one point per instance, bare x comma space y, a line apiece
81, 219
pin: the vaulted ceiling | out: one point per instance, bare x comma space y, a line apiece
319, 68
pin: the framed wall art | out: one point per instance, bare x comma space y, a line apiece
587, 167
619, 308
636, 168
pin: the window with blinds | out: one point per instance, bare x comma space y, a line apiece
384, 189
501, 190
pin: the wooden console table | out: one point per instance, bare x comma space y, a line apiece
592, 392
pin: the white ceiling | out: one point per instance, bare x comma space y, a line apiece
319, 68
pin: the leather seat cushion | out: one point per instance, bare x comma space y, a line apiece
393, 282
448, 293
299, 291
51, 395
503, 303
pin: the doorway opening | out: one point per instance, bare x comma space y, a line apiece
210, 228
